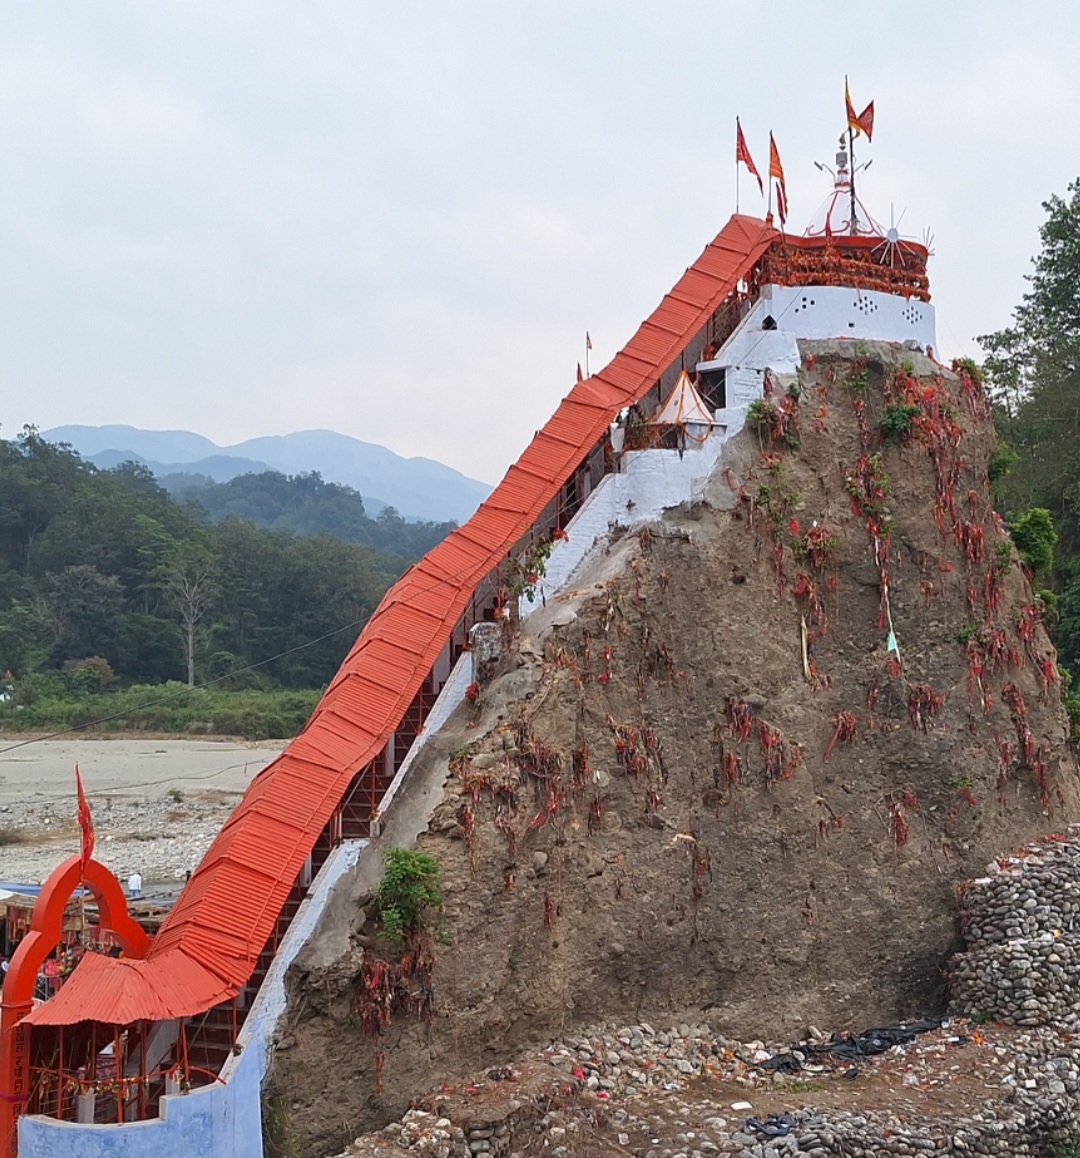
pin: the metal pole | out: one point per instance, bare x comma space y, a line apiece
851, 151
737, 128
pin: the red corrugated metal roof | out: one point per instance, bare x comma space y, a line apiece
178, 987
208, 946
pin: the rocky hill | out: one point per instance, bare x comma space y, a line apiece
736, 775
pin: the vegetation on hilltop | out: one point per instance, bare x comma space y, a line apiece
305, 504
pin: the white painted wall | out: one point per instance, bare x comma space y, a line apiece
452, 695
649, 483
819, 312
257, 1032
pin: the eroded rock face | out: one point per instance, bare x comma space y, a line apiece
752, 768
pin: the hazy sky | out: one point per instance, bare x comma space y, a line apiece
397, 220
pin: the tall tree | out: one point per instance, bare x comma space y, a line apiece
188, 580
1042, 346
1033, 369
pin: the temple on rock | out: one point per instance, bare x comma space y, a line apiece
163, 1050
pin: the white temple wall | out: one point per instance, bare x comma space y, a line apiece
649, 483
818, 312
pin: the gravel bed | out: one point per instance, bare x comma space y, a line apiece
162, 837
684, 1093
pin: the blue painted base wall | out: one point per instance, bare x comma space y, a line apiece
219, 1121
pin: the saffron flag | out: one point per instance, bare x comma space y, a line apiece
742, 153
86, 823
777, 170
588, 341
579, 375
864, 122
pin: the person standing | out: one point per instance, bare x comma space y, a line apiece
135, 885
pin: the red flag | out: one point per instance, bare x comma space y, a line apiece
742, 153
864, 122
579, 377
86, 823
777, 170
588, 341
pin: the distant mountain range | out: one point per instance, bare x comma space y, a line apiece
419, 488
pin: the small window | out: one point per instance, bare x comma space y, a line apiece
712, 386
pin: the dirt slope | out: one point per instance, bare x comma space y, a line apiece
664, 808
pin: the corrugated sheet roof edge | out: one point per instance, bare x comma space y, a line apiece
742, 241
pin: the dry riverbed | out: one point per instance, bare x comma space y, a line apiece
157, 804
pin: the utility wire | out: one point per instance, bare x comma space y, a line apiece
233, 674
110, 794
184, 692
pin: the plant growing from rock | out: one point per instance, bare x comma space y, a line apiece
410, 886
896, 423
525, 572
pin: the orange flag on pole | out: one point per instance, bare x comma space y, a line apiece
864, 122
777, 170
86, 823
742, 153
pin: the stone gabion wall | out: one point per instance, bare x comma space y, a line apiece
1021, 927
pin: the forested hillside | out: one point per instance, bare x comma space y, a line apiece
107, 581
1033, 369
305, 504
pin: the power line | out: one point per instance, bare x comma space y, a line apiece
233, 674
183, 692
111, 793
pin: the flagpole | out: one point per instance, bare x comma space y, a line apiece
587, 344
737, 126
851, 152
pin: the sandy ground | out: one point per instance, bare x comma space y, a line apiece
156, 804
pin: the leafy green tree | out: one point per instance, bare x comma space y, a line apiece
1042, 346
37, 480
1034, 536
1033, 371
81, 610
